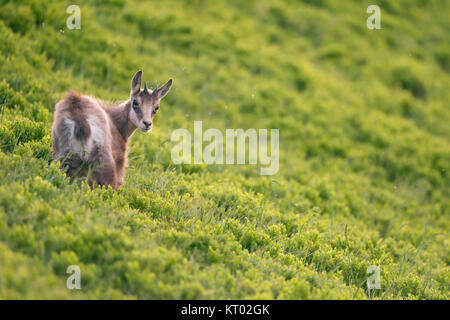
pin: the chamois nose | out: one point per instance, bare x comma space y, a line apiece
147, 124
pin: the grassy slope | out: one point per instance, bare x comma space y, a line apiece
364, 151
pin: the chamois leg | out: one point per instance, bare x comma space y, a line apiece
76, 170
73, 166
103, 169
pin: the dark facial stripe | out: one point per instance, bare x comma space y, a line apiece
139, 113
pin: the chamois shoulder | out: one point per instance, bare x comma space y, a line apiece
107, 105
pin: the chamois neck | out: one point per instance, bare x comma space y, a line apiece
120, 116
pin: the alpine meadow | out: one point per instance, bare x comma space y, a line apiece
364, 151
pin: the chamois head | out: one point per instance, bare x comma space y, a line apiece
144, 102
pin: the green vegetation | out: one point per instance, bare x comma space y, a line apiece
364, 151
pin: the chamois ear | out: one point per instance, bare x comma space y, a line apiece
161, 92
136, 82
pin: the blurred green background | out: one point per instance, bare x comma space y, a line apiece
364, 151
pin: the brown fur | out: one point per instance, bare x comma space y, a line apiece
82, 131
99, 153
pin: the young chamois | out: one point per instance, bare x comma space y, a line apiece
90, 137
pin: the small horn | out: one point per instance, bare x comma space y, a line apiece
145, 87
156, 89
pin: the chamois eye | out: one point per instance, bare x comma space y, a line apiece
135, 103
156, 109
